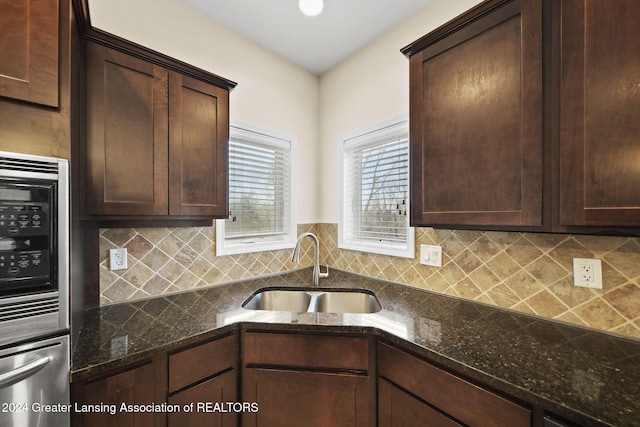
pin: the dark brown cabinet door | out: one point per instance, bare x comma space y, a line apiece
218, 390
133, 387
204, 375
29, 36
439, 392
397, 408
127, 135
308, 380
476, 119
301, 398
157, 141
600, 107
199, 134
36, 74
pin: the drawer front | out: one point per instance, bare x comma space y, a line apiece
306, 351
464, 401
195, 364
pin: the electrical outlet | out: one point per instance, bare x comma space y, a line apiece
587, 273
118, 259
119, 346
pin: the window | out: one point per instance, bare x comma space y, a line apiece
262, 214
375, 190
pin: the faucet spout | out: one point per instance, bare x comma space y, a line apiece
295, 257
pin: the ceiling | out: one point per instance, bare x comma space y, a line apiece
314, 43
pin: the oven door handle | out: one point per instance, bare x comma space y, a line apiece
19, 374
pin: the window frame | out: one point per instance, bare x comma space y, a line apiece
407, 250
226, 246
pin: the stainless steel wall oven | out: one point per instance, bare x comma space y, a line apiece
34, 246
34, 289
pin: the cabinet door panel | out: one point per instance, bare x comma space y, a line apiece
131, 387
216, 390
476, 122
600, 106
29, 31
199, 126
292, 398
127, 140
462, 400
399, 409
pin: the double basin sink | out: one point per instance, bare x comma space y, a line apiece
314, 300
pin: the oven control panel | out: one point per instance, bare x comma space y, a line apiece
24, 240
22, 219
23, 264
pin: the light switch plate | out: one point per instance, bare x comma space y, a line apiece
431, 255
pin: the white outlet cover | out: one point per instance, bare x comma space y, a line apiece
587, 273
119, 346
118, 259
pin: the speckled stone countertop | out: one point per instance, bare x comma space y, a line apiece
591, 377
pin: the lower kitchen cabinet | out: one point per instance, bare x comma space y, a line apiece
204, 396
424, 390
310, 380
101, 401
293, 378
306, 398
397, 408
203, 376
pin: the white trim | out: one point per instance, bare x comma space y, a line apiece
257, 244
355, 139
403, 251
381, 126
275, 137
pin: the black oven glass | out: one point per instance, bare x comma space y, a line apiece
27, 238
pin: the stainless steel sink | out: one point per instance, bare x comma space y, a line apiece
279, 300
347, 302
314, 300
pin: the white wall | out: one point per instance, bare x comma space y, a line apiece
271, 91
370, 86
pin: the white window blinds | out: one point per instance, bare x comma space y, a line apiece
375, 189
260, 193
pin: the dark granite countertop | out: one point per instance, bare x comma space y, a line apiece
591, 377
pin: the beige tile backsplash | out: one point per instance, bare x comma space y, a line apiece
527, 272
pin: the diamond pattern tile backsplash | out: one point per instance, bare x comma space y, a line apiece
169, 260
526, 272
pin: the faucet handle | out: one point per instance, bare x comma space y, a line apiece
325, 274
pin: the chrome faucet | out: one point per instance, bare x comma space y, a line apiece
295, 257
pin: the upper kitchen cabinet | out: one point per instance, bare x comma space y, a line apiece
523, 117
157, 139
29, 35
599, 137
127, 134
476, 119
198, 137
36, 77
